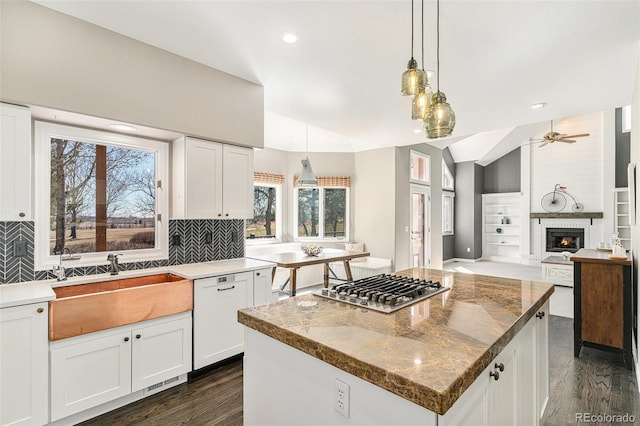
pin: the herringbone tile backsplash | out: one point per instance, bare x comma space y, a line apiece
199, 241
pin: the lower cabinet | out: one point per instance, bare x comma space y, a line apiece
96, 368
262, 286
217, 334
514, 388
24, 381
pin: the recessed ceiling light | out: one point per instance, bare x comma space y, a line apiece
538, 105
290, 38
123, 127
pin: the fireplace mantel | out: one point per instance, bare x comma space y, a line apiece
581, 215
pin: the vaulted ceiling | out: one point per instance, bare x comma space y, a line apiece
343, 77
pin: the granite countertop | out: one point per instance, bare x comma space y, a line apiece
599, 256
428, 353
28, 292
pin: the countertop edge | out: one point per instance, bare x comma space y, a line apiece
392, 382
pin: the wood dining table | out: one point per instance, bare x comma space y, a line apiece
295, 260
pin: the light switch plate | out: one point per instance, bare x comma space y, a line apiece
19, 248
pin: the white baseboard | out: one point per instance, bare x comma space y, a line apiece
456, 259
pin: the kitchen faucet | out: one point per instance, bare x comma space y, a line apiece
113, 266
58, 270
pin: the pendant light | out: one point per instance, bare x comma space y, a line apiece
413, 77
307, 179
422, 100
440, 119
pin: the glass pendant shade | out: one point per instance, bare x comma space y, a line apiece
440, 119
307, 179
412, 79
421, 103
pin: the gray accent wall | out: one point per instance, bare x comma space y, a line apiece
623, 152
468, 211
448, 241
503, 175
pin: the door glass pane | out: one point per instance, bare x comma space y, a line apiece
417, 229
308, 212
103, 198
334, 212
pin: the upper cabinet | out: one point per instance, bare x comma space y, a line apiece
211, 180
15, 163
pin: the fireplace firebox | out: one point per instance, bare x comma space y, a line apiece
565, 239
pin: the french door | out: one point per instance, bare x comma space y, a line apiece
420, 238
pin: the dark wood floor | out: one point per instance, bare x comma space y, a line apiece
595, 383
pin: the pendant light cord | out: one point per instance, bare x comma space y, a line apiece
423, 37
438, 41
411, 29
307, 137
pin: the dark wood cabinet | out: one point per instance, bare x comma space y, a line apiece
603, 304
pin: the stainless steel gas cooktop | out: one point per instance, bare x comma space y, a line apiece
383, 293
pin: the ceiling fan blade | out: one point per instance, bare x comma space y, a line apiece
544, 143
566, 140
581, 135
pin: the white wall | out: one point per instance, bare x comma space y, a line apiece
578, 166
635, 158
53, 60
374, 191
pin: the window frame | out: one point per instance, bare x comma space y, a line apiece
413, 154
43, 133
447, 175
279, 224
321, 232
451, 195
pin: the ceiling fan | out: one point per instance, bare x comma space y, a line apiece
552, 137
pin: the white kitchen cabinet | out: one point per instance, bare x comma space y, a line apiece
96, 368
217, 334
262, 286
211, 180
15, 163
505, 392
160, 352
542, 359
24, 363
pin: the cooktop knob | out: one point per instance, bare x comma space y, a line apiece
342, 295
333, 293
325, 291
364, 300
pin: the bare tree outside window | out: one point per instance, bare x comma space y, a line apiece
263, 224
85, 176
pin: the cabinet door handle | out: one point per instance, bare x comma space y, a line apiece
228, 288
138, 336
21, 214
126, 339
495, 375
540, 314
226, 214
39, 310
219, 214
499, 366
258, 274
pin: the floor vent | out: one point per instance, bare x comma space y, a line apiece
160, 386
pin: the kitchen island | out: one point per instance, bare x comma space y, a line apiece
310, 360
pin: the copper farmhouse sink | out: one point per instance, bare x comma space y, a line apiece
85, 308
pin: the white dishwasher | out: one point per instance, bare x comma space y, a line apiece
217, 334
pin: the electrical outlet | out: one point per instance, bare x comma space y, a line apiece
19, 248
468, 249
341, 398
175, 240
208, 237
